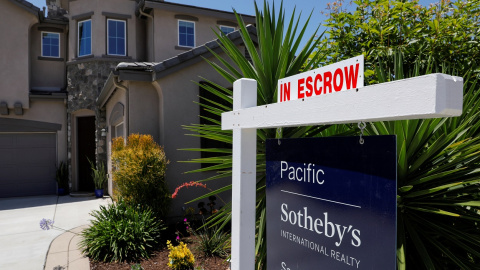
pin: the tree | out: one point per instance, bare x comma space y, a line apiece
447, 32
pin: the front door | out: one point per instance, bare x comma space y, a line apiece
86, 151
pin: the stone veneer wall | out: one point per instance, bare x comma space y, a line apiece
54, 9
85, 80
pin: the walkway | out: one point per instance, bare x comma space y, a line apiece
23, 245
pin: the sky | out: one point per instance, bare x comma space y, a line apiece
247, 7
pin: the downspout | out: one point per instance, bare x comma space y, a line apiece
140, 10
117, 83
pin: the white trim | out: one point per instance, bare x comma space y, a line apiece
429, 96
178, 34
124, 37
231, 27
123, 129
41, 41
244, 179
78, 37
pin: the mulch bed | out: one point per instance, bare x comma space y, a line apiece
159, 260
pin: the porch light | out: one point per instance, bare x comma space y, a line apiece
104, 131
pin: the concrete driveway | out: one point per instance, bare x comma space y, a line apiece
23, 245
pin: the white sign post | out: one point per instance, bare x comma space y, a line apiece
429, 96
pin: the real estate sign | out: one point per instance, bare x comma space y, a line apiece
340, 76
331, 203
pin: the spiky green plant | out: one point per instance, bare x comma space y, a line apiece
121, 232
438, 159
275, 53
438, 223
99, 174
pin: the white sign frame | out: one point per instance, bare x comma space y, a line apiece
429, 96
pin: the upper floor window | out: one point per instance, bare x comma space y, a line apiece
116, 41
186, 34
226, 29
85, 38
50, 44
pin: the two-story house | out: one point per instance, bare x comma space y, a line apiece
93, 70
33, 118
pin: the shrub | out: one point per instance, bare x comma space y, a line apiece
139, 173
444, 32
213, 242
136, 266
180, 257
120, 232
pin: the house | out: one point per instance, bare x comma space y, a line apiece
33, 116
93, 70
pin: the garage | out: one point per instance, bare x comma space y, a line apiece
27, 161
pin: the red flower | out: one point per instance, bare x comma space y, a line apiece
187, 184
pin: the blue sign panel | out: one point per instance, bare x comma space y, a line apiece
331, 203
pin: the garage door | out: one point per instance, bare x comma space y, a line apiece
27, 164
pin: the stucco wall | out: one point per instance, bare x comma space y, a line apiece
99, 24
118, 97
166, 32
47, 72
180, 93
50, 111
14, 57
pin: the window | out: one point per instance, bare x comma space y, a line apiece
119, 130
226, 29
116, 41
186, 34
85, 38
50, 44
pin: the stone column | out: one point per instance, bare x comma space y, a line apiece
85, 82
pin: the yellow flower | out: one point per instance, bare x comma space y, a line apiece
180, 257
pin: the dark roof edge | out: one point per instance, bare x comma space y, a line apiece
249, 19
134, 72
107, 89
27, 6
192, 57
39, 96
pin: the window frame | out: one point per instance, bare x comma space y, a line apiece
117, 127
178, 35
124, 37
231, 27
41, 37
78, 37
